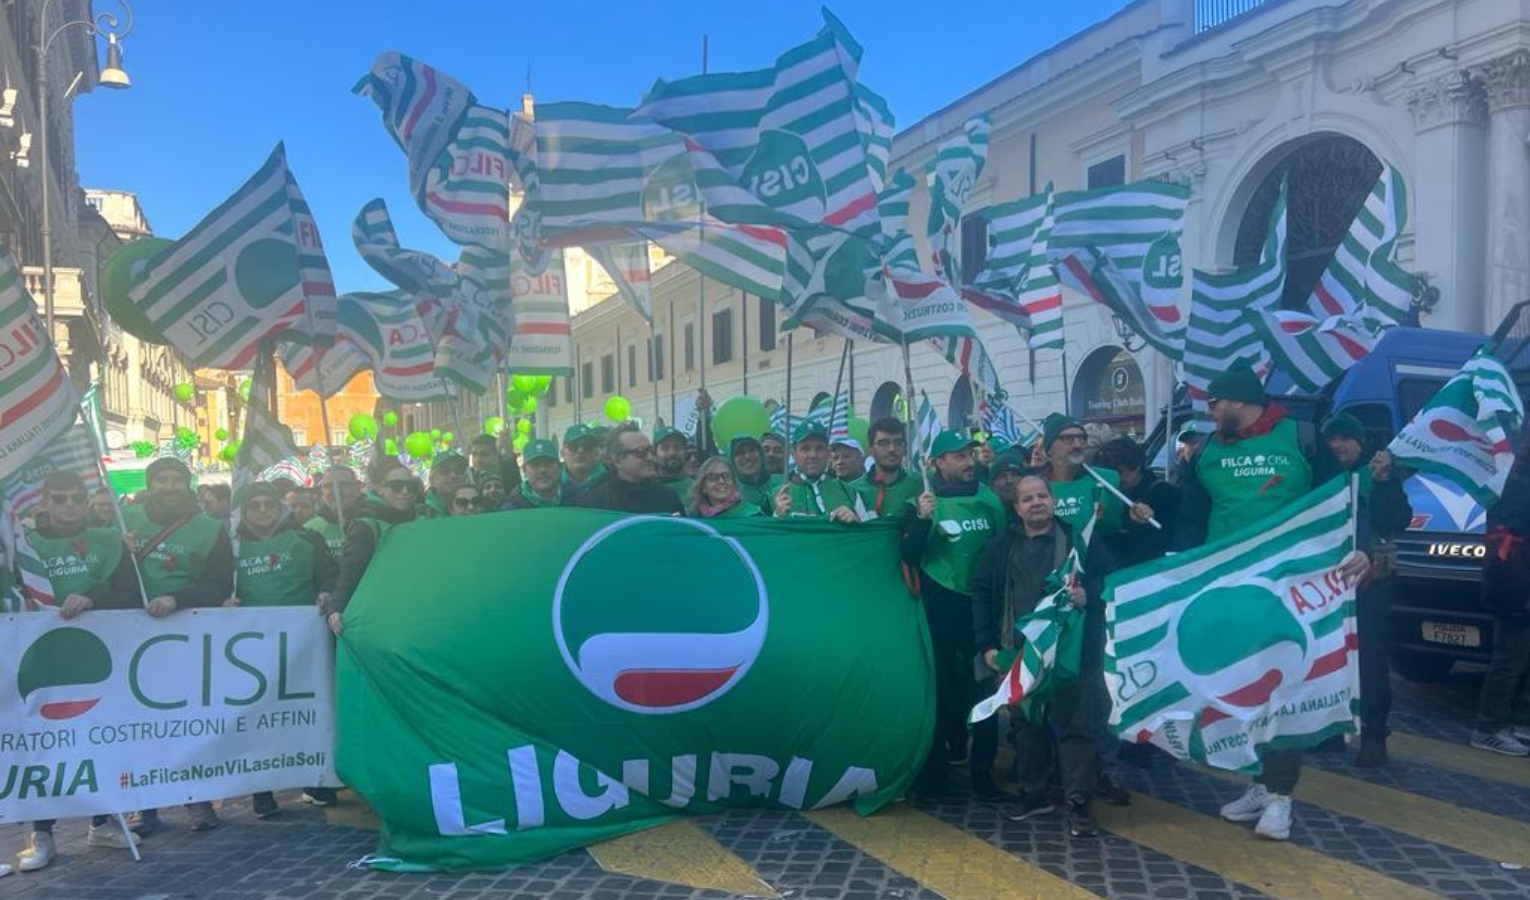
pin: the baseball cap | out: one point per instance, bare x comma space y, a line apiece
540, 449
578, 432
951, 440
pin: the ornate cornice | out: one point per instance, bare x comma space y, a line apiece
1455, 98
1506, 80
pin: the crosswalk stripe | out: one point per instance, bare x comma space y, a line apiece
1282, 870
1459, 758
943, 858
1431, 820
681, 853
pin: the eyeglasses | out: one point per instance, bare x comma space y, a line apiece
581, 447
62, 497
718, 477
891, 443
1073, 438
262, 506
640, 452
464, 502
400, 486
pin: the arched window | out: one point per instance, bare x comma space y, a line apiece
888, 401
960, 409
1109, 390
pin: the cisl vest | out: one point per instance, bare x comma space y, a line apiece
329, 531
78, 563
814, 499
1252, 478
1076, 500
277, 571
178, 560
889, 500
959, 530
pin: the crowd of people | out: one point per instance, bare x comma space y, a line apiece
983, 530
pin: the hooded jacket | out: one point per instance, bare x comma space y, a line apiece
374, 519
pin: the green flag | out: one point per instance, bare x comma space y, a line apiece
593, 693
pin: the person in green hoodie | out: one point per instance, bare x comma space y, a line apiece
277, 563
396, 505
670, 449
888, 488
813, 491
341, 482
748, 459
716, 494
582, 468
187, 562
541, 485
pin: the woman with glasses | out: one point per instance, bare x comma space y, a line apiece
715, 494
465, 502
397, 500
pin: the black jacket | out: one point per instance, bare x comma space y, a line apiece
1506, 569
915, 534
1137, 543
624, 496
361, 535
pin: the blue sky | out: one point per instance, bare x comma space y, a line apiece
217, 84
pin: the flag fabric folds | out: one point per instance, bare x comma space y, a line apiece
1312, 351
1019, 282
37, 399
955, 169
1363, 280
20, 493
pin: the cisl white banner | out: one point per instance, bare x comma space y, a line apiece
117, 711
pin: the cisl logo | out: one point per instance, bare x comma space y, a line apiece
660, 639
59, 671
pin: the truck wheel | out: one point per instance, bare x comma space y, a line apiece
1422, 667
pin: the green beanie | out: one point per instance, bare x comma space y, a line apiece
1055, 425
255, 489
1239, 383
1344, 425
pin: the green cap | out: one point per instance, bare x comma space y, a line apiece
255, 489
579, 432
1239, 383
540, 449
950, 441
665, 432
449, 459
998, 444
809, 429
1054, 425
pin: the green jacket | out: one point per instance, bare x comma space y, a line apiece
816, 499
888, 499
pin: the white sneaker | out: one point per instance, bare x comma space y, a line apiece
1500, 741
1521, 733
1275, 824
1248, 807
108, 837
6, 869
39, 853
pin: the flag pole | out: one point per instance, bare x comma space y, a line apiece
908, 409
95, 442
839, 382
653, 368
787, 438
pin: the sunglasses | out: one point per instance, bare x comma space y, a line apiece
464, 502
262, 506
62, 497
718, 477
400, 486
641, 452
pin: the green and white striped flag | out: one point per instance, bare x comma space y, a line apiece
413, 271
266, 440
926, 429
874, 121
421, 108
543, 342
911, 304
251, 270
383, 333
1364, 281
793, 135
1244, 645
1091, 271
627, 264
1217, 334
951, 176
1463, 433
1312, 351
37, 400
1019, 283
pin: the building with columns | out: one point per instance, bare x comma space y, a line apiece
1231, 96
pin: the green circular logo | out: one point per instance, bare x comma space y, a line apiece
660, 639
670, 193
782, 174
1246, 636
265, 271
1163, 265
58, 672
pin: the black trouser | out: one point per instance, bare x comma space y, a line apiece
1074, 714
1373, 619
1280, 770
1505, 697
950, 619
985, 743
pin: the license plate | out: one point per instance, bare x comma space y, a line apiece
1452, 634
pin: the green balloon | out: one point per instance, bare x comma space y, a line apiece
618, 408
526, 384
390, 418
435, 434
516, 399
418, 445
228, 453
523, 426
117, 276
544, 383
221, 434
530, 406
185, 392
493, 425
739, 417
520, 442
390, 446
448, 437
363, 427
860, 430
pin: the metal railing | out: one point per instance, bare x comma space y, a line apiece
1211, 14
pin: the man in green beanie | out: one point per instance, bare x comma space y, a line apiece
542, 485
1384, 513
582, 468
748, 461
1063, 445
670, 449
888, 488
944, 533
187, 562
812, 491
277, 564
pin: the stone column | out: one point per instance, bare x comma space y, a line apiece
1507, 82
1447, 185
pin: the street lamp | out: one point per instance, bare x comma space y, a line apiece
112, 76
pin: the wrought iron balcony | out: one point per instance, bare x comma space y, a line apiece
1211, 14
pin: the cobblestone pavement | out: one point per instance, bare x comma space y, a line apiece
1442, 820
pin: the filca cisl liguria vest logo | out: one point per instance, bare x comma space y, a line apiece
659, 639
61, 673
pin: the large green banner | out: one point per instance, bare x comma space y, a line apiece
515, 685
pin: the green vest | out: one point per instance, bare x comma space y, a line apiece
961, 528
888, 500
181, 558
815, 500
1076, 499
277, 571
1252, 478
329, 531
758, 496
78, 564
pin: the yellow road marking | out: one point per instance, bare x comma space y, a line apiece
1476, 832
1459, 758
944, 859
680, 853
1280, 869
